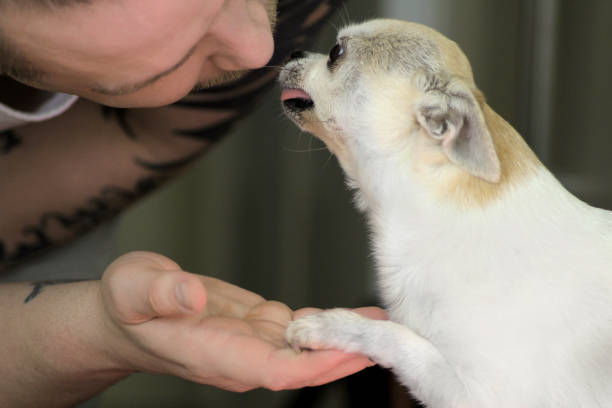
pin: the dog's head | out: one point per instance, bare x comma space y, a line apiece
396, 91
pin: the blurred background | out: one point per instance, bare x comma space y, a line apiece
267, 208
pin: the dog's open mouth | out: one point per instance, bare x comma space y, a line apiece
296, 100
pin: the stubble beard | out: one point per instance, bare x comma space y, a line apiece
232, 76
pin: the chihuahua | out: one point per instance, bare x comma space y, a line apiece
497, 280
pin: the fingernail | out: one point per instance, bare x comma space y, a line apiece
182, 296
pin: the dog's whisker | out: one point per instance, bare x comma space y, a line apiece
334, 26
309, 150
310, 147
347, 15
327, 161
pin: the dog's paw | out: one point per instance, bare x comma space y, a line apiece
332, 329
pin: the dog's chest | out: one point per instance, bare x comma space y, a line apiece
439, 308
500, 315
479, 330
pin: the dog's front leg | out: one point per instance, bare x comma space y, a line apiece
417, 363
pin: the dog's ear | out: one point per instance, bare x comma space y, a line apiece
449, 112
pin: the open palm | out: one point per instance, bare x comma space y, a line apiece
217, 333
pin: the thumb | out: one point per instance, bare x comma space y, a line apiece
142, 286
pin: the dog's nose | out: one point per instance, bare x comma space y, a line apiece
297, 54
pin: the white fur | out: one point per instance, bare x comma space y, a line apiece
506, 304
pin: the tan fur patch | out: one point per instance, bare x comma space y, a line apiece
518, 162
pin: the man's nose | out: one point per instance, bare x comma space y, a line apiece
244, 36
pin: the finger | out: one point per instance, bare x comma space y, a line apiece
271, 311
289, 371
305, 312
369, 312
349, 367
372, 312
332, 365
141, 289
170, 293
230, 299
259, 364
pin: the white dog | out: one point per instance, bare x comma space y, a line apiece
497, 280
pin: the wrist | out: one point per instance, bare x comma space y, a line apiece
81, 344
56, 343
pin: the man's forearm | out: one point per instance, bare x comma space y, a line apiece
56, 348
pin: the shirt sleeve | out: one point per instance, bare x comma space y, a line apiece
55, 104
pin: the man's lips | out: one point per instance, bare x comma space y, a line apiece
296, 99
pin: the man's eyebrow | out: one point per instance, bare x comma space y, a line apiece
130, 88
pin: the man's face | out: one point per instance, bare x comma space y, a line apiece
133, 53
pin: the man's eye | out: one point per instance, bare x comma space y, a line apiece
335, 53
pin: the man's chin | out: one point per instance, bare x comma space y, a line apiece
226, 78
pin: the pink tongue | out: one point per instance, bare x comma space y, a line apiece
294, 94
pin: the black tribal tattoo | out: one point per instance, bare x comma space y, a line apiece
101, 208
8, 141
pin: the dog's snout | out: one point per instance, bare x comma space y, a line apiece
297, 54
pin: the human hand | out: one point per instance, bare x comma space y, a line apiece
209, 331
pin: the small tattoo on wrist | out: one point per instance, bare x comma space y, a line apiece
38, 287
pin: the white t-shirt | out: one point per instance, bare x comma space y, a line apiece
55, 105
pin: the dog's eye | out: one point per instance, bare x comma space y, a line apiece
335, 53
